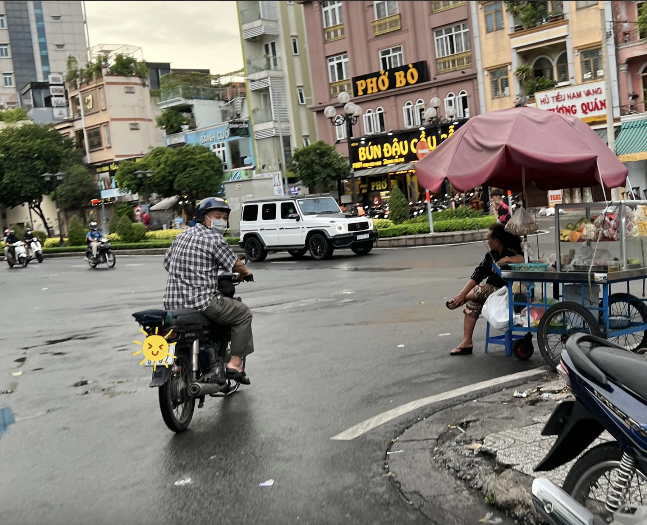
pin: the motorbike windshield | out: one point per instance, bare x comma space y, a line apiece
318, 206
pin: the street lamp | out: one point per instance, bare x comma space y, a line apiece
348, 118
56, 178
145, 175
433, 118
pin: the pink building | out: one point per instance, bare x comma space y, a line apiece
392, 58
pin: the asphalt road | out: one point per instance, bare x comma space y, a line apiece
337, 342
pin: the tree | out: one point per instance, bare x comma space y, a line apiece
398, 206
77, 233
318, 164
25, 154
642, 20
77, 189
171, 120
125, 229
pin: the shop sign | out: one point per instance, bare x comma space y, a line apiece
214, 136
554, 197
57, 91
398, 148
239, 128
59, 113
587, 101
58, 102
388, 79
55, 78
89, 100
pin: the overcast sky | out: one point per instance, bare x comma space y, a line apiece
187, 34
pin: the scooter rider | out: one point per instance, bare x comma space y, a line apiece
192, 263
93, 239
10, 238
29, 236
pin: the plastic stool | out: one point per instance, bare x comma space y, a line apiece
506, 339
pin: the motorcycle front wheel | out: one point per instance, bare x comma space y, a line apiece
24, 261
40, 257
175, 403
111, 260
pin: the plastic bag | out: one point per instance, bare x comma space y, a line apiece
521, 223
496, 311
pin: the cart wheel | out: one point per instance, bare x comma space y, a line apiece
632, 307
560, 322
523, 349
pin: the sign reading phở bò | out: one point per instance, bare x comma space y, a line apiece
388, 79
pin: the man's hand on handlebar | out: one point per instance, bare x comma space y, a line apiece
249, 277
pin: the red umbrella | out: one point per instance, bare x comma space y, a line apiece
504, 148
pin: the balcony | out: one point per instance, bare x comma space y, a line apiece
337, 87
256, 22
386, 25
334, 33
437, 7
193, 93
263, 63
262, 115
454, 62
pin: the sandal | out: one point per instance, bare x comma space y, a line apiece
239, 377
462, 351
450, 307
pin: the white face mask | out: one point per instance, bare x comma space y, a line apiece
219, 225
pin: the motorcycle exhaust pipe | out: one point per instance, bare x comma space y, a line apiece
556, 507
204, 389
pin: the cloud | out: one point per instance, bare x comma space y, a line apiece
188, 34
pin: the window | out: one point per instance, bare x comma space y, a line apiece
8, 79
287, 209
462, 105
582, 5
441, 6
392, 57
369, 127
338, 68
60, 47
301, 96
134, 126
4, 50
250, 212
493, 17
562, 68
129, 89
452, 40
543, 68
295, 45
380, 126
268, 212
56, 18
591, 65
450, 100
289, 3
220, 148
407, 110
106, 135
499, 83
332, 14
385, 9
271, 54
94, 139
102, 98
306, 141
340, 132
420, 112
3, 21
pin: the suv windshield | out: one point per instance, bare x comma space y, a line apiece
315, 206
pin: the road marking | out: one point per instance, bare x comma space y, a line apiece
78, 266
134, 264
283, 262
444, 335
389, 415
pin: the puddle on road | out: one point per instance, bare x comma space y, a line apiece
6, 419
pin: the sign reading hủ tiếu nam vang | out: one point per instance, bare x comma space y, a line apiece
388, 79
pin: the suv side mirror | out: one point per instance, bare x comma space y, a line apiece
294, 216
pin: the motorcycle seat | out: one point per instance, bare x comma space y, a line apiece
190, 319
153, 317
625, 367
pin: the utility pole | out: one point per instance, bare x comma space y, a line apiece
611, 139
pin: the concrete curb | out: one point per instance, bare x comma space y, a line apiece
430, 239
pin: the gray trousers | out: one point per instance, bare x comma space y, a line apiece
233, 313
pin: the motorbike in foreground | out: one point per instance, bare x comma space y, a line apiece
610, 391
194, 337
105, 255
19, 257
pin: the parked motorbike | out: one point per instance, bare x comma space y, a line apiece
195, 337
610, 391
20, 256
558, 508
105, 255
36, 250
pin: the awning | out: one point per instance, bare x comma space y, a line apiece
602, 133
632, 142
385, 170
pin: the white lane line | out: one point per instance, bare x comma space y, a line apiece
134, 264
444, 335
283, 262
385, 417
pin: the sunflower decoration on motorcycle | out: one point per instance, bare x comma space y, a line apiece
155, 348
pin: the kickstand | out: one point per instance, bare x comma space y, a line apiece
201, 403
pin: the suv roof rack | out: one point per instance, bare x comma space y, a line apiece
283, 199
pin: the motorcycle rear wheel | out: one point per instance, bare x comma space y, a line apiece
175, 403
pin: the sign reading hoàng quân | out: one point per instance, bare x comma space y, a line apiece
586, 101
388, 79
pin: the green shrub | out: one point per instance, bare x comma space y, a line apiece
18, 230
124, 208
52, 242
232, 241
77, 233
449, 214
479, 223
163, 234
398, 206
139, 232
378, 224
125, 229
42, 236
114, 237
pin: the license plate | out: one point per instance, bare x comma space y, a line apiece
168, 360
365, 236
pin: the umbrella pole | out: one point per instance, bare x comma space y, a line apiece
523, 182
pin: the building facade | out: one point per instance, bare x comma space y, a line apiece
36, 39
279, 86
393, 58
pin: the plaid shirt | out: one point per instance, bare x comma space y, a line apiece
192, 264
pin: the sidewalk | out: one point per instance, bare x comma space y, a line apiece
463, 463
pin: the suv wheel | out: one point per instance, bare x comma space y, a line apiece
254, 250
297, 254
362, 249
320, 247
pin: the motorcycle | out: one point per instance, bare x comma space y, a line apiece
195, 337
35, 249
105, 254
558, 508
610, 391
20, 256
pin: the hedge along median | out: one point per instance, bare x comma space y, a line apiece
232, 241
452, 225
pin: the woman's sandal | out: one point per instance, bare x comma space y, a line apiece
450, 307
239, 377
463, 351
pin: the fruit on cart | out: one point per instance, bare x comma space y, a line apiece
564, 234
570, 226
588, 232
633, 261
574, 236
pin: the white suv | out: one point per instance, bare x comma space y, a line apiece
301, 224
